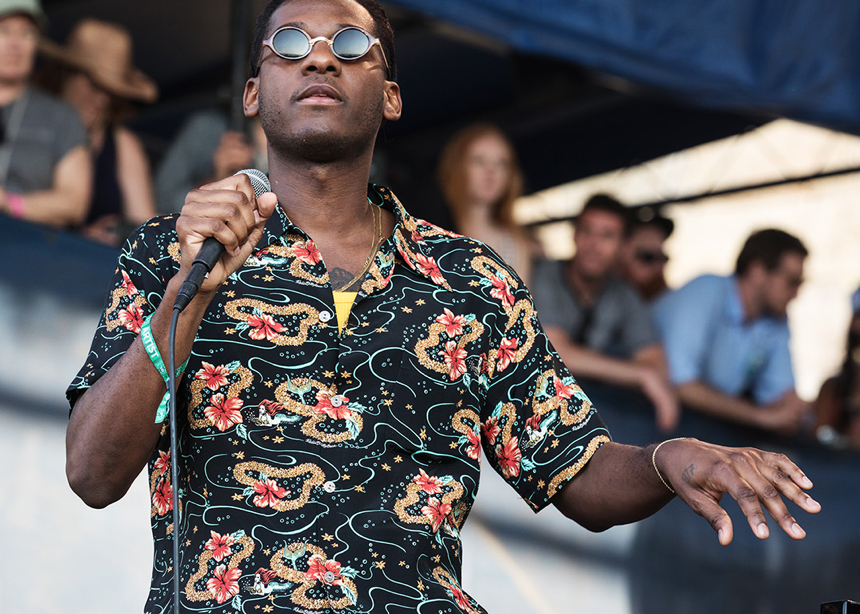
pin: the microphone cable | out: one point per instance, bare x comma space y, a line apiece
260, 183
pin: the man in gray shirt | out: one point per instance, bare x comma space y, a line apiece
598, 324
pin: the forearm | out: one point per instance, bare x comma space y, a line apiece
112, 431
619, 485
702, 397
54, 208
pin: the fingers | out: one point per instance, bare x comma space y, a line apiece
757, 480
227, 215
225, 210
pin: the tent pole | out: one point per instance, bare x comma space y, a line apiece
240, 12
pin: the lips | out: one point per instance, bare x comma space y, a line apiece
320, 91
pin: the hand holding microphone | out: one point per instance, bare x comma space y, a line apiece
228, 215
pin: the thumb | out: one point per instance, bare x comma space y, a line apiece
266, 204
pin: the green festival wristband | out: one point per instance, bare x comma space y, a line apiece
152, 351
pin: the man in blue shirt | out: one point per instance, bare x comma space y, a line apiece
726, 338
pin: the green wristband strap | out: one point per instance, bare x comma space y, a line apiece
152, 351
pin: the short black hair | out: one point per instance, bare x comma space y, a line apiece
608, 204
644, 216
768, 247
384, 32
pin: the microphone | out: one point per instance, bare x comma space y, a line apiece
211, 250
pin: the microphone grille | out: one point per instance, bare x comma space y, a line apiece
259, 180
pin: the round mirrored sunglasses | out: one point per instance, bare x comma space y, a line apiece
350, 43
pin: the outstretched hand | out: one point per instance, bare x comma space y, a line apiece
701, 472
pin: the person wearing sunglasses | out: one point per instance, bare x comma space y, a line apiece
598, 323
726, 338
642, 258
329, 455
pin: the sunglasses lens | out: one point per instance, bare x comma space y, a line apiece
350, 44
290, 43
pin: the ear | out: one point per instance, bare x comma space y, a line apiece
756, 270
393, 103
250, 99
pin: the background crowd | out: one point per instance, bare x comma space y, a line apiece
718, 345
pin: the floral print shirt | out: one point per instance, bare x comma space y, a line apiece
326, 472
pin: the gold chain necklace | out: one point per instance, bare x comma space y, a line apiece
374, 245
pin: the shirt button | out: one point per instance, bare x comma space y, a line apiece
329, 577
325, 316
336, 401
328, 486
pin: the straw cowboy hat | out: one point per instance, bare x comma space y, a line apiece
103, 51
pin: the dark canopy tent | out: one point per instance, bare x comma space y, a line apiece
582, 87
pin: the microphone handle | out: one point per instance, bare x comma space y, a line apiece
209, 254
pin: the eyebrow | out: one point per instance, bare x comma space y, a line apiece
304, 26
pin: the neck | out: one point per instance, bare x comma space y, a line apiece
11, 91
321, 198
585, 286
749, 299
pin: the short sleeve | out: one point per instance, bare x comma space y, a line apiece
538, 427
149, 258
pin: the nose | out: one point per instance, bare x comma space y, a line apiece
321, 59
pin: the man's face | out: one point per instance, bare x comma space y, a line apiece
643, 257
321, 106
597, 237
780, 286
18, 39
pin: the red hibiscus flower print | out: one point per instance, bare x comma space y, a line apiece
416, 236
264, 327
270, 494
429, 483
219, 545
562, 390
324, 406
460, 598
436, 511
427, 265
318, 567
132, 318
507, 351
491, 429
509, 457
224, 584
130, 289
455, 360
307, 252
224, 413
453, 324
163, 462
162, 497
214, 376
473, 451
501, 291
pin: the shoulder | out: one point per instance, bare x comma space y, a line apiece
617, 288
50, 109
127, 141
704, 287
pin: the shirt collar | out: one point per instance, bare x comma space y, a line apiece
408, 236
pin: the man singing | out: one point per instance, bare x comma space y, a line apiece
346, 361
